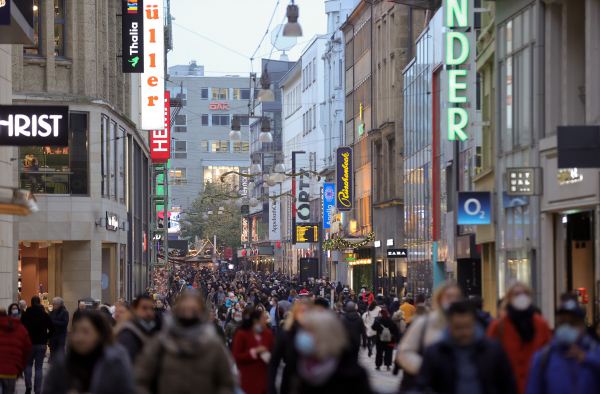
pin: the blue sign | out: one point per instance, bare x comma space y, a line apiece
474, 208
517, 201
328, 203
344, 177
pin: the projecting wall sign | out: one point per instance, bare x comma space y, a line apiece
344, 199
160, 140
153, 78
474, 208
520, 181
133, 36
30, 125
328, 204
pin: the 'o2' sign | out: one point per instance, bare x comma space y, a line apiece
474, 208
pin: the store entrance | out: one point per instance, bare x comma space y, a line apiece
575, 258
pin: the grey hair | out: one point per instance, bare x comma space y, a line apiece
22, 302
59, 301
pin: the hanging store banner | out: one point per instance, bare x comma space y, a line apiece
160, 140
274, 216
328, 204
474, 208
344, 179
459, 79
31, 125
244, 230
153, 78
132, 19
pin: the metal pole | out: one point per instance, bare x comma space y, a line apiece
294, 193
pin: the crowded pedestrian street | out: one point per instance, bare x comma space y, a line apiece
299, 197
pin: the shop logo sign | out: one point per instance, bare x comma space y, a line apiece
152, 81
397, 253
344, 179
219, 106
474, 208
160, 140
133, 36
328, 204
29, 125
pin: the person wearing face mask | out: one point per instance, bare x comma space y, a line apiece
324, 364
424, 331
522, 331
231, 327
135, 329
93, 363
571, 362
252, 346
187, 356
14, 311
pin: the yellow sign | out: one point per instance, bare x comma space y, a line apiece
308, 232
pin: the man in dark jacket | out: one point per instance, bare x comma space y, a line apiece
79, 311
464, 360
355, 326
14, 350
40, 328
60, 318
138, 328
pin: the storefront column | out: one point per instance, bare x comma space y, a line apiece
545, 292
30, 266
81, 272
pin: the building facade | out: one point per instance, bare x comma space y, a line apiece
89, 237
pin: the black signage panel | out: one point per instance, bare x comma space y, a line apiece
32, 125
578, 146
397, 253
133, 36
309, 268
112, 221
5, 12
306, 232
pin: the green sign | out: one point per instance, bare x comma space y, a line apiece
361, 129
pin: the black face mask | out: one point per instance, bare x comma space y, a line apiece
188, 322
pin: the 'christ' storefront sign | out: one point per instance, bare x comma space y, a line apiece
32, 125
153, 78
459, 48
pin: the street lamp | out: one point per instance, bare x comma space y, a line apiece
292, 28
235, 134
265, 94
265, 131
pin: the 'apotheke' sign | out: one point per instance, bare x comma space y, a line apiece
153, 78
30, 125
133, 36
459, 49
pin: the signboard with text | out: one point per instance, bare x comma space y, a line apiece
152, 104
32, 125
306, 232
520, 181
474, 208
132, 19
214, 106
344, 176
274, 216
397, 253
160, 140
328, 204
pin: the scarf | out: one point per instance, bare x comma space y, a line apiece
523, 321
80, 369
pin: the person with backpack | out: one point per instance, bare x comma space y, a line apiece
521, 331
571, 362
388, 336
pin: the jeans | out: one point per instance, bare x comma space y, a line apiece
57, 347
7, 386
37, 354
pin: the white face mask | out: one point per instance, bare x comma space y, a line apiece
521, 302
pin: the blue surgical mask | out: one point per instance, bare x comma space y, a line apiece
258, 328
305, 343
566, 334
15, 312
237, 319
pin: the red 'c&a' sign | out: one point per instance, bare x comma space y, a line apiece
160, 140
219, 105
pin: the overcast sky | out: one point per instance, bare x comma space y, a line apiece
239, 25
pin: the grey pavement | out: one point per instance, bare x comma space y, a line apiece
382, 382
20, 389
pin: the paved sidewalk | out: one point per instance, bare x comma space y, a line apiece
21, 382
382, 382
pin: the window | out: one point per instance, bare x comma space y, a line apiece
309, 72
303, 124
34, 49
180, 150
59, 28
122, 165
341, 72
204, 93
309, 120
111, 160
220, 120
314, 116
241, 94
243, 146
245, 121
220, 146
180, 124
179, 176
314, 74
220, 94
204, 119
58, 170
103, 155
182, 96
204, 146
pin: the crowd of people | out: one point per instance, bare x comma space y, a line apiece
258, 333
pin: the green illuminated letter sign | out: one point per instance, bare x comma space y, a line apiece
464, 48
454, 86
456, 128
460, 11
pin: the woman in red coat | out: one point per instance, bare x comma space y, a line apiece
522, 331
252, 351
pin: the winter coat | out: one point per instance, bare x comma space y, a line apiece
60, 318
521, 353
408, 310
362, 306
398, 318
369, 318
222, 312
14, 346
356, 329
184, 360
283, 350
565, 375
424, 331
394, 307
253, 370
230, 330
39, 324
439, 372
388, 323
112, 374
132, 335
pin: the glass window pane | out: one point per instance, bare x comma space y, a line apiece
224, 94
518, 32
59, 11
121, 164
245, 146
111, 161
509, 37
502, 42
59, 44
245, 94
214, 146
509, 104
181, 120
216, 120
526, 22
525, 98
224, 146
78, 148
214, 93
204, 146
104, 156
236, 94
204, 120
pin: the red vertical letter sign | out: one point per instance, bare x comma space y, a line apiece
160, 140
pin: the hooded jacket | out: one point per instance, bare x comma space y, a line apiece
112, 374
184, 360
132, 335
14, 346
39, 324
356, 329
369, 318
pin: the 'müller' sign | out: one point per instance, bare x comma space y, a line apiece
459, 21
153, 79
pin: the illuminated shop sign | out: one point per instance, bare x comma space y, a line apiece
152, 90
219, 106
244, 230
569, 175
112, 221
29, 125
344, 179
328, 204
474, 208
520, 181
307, 232
160, 140
133, 36
459, 18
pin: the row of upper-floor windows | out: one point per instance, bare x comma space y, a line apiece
215, 146
59, 12
181, 121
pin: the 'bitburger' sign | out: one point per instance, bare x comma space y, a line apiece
29, 125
